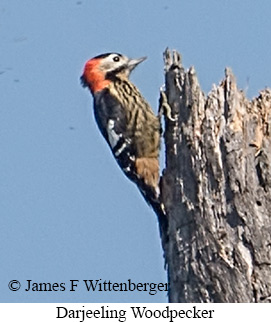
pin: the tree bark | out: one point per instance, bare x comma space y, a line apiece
216, 189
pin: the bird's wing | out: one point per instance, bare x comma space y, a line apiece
112, 121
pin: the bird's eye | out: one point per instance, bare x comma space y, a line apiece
116, 59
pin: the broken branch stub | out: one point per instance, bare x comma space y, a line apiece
216, 189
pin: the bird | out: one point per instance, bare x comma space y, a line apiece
126, 121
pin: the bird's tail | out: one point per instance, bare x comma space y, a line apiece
144, 172
147, 170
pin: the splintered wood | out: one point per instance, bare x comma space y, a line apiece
216, 189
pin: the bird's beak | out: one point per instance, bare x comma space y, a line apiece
132, 63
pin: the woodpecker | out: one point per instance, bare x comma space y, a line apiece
126, 121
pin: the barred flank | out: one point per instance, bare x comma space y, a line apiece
142, 126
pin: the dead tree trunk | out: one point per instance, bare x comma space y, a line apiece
216, 189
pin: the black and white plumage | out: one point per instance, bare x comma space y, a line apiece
126, 121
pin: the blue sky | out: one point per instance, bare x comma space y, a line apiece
67, 211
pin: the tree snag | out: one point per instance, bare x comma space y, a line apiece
216, 189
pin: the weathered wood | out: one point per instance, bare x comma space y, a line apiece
216, 189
